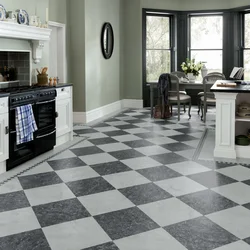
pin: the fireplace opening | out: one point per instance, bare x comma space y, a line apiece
15, 69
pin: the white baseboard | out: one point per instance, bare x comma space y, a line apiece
95, 114
132, 103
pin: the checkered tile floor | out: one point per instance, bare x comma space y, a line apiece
132, 185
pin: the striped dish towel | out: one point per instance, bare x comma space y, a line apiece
25, 124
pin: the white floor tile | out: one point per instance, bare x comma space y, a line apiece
79, 173
180, 186
141, 162
107, 129
239, 245
111, 147
170, 211
168, 132
41, 168
118, 123
188, 167
47, 194
236, 220
237, 172
18, 221
237, 192
125, 179
97, 158
157, 239
136, 130
105, 202
11, 186
161, 140
124, 138
75, 235
152, 150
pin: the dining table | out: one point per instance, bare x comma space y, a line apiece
198, 85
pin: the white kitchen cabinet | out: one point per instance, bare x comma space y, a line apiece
64, 121
4, 136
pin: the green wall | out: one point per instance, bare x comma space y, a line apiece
76, 40
102, 75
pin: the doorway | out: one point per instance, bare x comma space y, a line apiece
57, 52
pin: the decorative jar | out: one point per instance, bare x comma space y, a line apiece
191, 77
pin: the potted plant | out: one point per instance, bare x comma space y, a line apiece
191, 69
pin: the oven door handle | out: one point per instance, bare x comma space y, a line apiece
46, 101
41, 136
32, 104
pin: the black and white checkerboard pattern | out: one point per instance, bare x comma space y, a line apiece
132, 185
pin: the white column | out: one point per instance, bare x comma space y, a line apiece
225, 125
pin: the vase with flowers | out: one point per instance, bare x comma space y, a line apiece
191, 69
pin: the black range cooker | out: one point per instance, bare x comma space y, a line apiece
42, 100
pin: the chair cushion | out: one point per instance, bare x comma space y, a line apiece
182, 98
208, 100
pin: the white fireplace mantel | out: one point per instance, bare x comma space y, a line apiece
36, 35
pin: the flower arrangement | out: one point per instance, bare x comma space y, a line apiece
191, 67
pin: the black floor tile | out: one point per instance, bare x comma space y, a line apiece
148, 135
126, 154
85, 131
126, 126
200, 234
142, 194
66, 163
247, 240
247, 182
211, 179
174, 147
136, 121
207, 202
89, 186
110, 168
116, 133
31, 240
247, 206
158, 173
138, 143
12, 201
100, 141
188, 130
123, 223
168, 158
59, 212
106, 246
39, 180
215, 164
182, 138
86, 151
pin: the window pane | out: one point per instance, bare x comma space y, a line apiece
247, 64
158, 32
213, 59
158, 62
247, 30
206, 32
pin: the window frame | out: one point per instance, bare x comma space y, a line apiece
172, 44
200, 14
242, 39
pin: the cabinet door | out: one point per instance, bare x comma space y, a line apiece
4, 137
64, 119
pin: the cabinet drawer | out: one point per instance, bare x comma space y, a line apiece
3, 105
64, 92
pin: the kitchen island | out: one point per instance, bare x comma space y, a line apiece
228, 124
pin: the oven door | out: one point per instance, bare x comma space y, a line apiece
45, 114
45, 140
18, 153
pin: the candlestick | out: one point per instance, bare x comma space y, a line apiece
47, 15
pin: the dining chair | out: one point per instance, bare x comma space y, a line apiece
209, 94
176, 97
180, 75
208, 97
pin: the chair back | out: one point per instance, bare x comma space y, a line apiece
217, 73
210, 79
174, 87
179, 74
